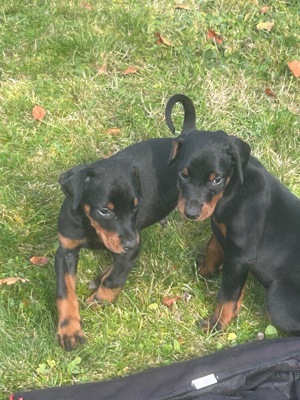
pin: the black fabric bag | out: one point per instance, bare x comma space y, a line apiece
261, 370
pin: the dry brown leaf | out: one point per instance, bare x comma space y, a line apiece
264, 9
39, 260
113, 131
182, 7
181, 340
38, 113
86, 5
162, 40
294, 66
270, 92
169, 301
212, 35
265, 26
12, 280
130, 70
102, 70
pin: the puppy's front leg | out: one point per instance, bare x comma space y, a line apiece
214, 258
113, 278
230, 295
69, 333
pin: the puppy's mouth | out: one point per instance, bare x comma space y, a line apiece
113, 242
111, 239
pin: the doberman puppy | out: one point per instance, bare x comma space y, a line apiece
107, 204
255, 222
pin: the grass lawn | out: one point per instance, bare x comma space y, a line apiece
69, 57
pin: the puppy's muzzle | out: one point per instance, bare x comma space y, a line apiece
129, 241
192, 209
129, 244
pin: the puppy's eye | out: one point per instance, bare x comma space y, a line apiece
104, 212
217, 181
184, 173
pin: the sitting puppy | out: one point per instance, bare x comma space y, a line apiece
107, 204
255, 222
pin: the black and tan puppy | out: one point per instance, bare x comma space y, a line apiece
107, 204
255, 222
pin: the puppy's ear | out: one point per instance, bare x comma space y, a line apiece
136, 179
175, 151
73, 182
240, 153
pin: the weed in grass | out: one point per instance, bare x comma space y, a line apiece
51, 54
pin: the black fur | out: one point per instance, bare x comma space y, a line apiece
255, 222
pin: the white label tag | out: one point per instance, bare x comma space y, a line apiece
204, 381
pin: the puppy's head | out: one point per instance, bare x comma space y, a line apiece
109, 192
207, 162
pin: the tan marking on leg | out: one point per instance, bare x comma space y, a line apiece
214, 258
104, 293
69, 333
70, 244
225, 312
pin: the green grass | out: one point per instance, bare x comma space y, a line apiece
51, 52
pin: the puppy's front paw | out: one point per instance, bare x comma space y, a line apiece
207, 271
70, 334
210, 325
95, 301
103, 296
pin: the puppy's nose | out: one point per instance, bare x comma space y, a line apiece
192, 211
129, 244
191, 214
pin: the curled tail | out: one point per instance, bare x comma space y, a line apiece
189, 122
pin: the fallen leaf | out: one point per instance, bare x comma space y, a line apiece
113, 131
232, 336
87, 6
180, 340
265, 26
264, 9
294, 66
130, 70
270, 93
169, 301
12, 280
212, 35
162, 40
102, 70
38, 113
182, 7
39, 260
